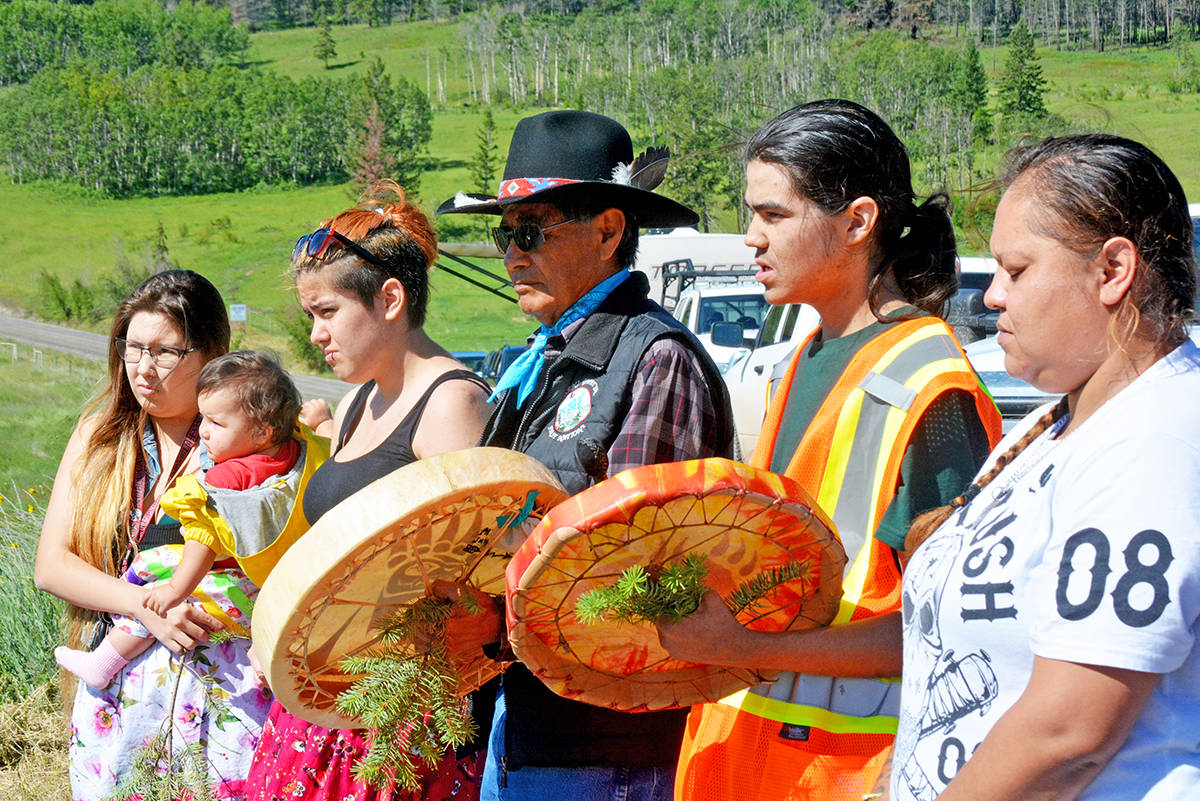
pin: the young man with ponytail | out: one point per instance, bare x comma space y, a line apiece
879, 416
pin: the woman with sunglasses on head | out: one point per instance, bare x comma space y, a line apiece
135, 440
1050, 643
363, 278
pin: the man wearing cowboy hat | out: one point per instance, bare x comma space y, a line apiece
609, 381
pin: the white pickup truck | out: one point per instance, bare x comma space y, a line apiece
704, 305
748, 375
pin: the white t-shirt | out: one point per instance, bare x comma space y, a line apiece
1085, 549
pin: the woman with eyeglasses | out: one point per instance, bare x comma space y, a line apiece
135, 439
363, 278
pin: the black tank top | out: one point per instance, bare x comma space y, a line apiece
335, 481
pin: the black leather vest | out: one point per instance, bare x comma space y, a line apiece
585, 394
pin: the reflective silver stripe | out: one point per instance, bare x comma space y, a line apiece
853, 513
887, 390
778, 371
860, 698
864, 697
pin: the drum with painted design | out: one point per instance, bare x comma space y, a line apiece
744, 520
454, 517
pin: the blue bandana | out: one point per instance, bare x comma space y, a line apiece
524, 372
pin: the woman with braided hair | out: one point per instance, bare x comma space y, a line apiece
1050, 613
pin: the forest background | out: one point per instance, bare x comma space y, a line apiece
136, 135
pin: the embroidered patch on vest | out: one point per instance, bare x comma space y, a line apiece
574, 410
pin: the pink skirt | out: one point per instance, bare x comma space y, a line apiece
301, 761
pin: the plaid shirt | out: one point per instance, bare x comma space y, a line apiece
671, 412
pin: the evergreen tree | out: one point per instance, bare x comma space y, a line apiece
325, 48
407, 120
374, 161
1022, 88
483, 164
969, 91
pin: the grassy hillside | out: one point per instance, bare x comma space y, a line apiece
39, 404
1125, 92
242, 240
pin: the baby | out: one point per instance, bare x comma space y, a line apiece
248, 407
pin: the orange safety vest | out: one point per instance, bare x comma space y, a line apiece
819, 737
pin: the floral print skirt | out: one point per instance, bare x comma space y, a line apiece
301, 761
207, 701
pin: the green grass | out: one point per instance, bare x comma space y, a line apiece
70, 232
1125, 92
247, 261
410, 50
39, 405
30, 620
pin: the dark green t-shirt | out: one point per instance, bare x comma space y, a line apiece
947, 447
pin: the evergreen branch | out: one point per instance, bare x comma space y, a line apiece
750, 594
644, 596
158, 771
410, 697
672, 592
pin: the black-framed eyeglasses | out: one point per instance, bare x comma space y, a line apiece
526, 236
314, 244
163, 356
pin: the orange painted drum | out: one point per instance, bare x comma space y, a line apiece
744, 520
455, 517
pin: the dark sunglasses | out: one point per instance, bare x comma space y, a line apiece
527, 236
314, 244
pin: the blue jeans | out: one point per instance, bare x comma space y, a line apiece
591, 783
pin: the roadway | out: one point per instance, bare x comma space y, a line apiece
95, 346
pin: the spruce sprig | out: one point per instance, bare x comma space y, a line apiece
641, 595
159, 773
408, 695
751, 594
162, 772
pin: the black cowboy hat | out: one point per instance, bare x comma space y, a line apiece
579, 155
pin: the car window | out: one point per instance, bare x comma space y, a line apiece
766, 334
974, 281
789, 323
748, 310
683, 313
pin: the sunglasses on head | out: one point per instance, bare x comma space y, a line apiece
314, 244
526, 236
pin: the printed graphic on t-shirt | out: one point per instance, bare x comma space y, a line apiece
958, 684
1083, 551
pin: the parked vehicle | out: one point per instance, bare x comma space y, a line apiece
499, 360
475, 361
706, 305
710, 258
748, 374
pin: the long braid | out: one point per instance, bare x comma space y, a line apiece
927, 523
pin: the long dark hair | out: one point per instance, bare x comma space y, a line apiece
100, 519
1092, 187
836, 151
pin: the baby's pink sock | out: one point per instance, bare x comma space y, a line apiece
97, 668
